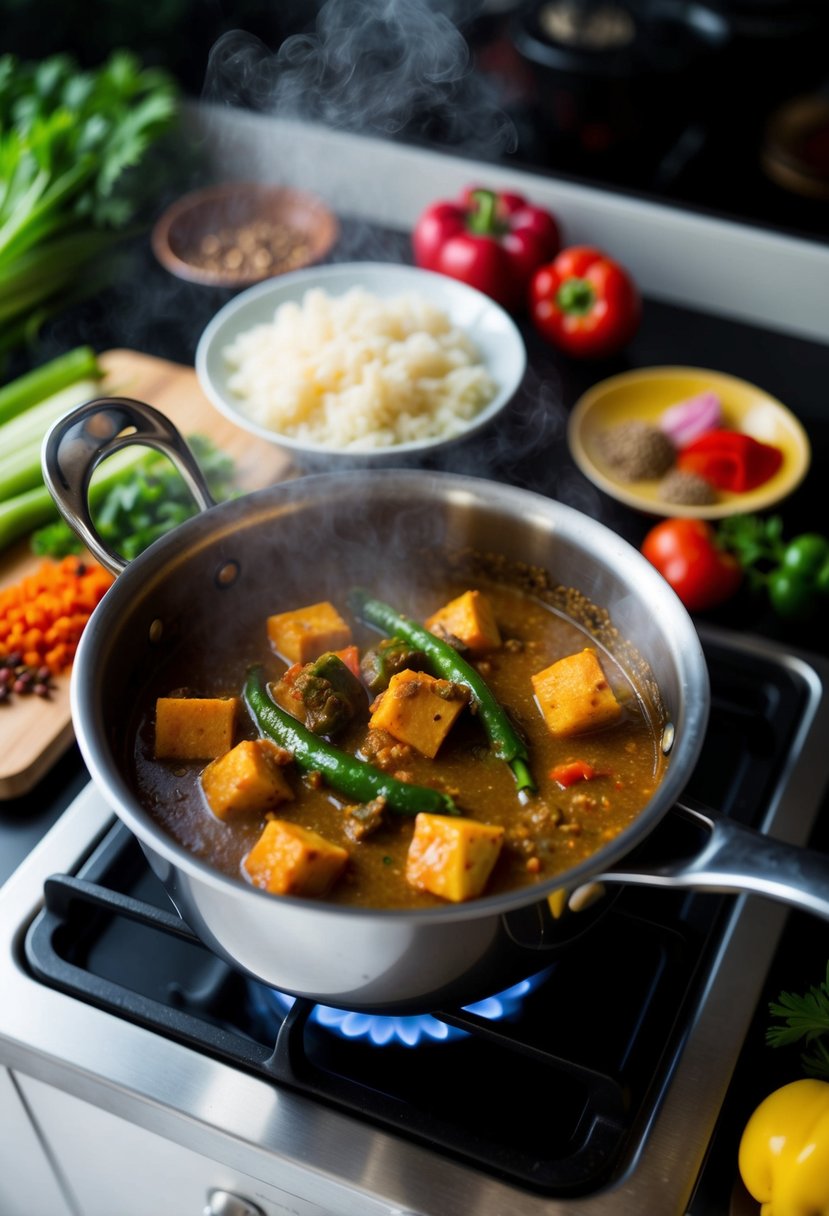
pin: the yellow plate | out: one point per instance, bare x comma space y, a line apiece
644, 393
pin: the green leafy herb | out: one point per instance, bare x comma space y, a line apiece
67, 141
804, 1019
143, 503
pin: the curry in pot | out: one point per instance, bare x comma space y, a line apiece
480, 742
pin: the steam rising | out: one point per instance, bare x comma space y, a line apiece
378, 67
402, 69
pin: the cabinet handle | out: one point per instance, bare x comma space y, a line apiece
225, 1203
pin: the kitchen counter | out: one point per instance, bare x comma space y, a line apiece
149, 311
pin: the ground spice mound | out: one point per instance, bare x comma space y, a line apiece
686, 489
637, 451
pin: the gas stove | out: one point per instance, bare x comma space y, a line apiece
592, 1087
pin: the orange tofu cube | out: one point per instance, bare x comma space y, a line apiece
413, 710
194, 728
452, 857
291, 860
470, 619
305, 633
247, 778
574, 696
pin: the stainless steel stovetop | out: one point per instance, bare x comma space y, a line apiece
79, 1072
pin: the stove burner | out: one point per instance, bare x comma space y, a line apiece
381, 1030
601, 1030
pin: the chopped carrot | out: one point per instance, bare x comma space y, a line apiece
42, 617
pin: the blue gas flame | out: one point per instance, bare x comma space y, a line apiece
409, 1030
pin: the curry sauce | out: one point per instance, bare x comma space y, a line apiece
614, 768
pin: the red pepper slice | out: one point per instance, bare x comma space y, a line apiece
571, 772
491, 241
731, 460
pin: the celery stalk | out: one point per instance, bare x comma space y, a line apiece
35, 386
35, 507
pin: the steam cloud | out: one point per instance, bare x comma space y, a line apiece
378, 67
403, 69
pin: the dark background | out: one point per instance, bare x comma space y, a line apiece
680, 112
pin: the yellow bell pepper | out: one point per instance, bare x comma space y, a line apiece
784, 1151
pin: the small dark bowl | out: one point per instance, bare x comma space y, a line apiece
240, 233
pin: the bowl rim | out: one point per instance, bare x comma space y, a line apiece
173, 262
342, 270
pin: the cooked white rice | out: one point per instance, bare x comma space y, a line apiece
357, 372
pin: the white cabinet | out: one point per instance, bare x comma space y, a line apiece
111, 1166
28, 1186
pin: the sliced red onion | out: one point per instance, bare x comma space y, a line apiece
687, 420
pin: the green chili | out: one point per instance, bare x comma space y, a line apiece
446, 662
341, 771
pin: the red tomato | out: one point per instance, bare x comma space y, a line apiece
685, 553
584, 303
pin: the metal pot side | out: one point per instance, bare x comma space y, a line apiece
320, 533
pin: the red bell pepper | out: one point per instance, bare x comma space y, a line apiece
491, 241
731, 460
572, 771
585, 303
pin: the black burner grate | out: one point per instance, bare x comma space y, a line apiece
552, 1098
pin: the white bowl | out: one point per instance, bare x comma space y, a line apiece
492, 330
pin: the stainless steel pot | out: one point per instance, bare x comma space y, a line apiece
267, 548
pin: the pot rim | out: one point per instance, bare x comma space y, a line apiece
689, 721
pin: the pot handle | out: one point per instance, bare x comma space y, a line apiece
78, 442
736, 859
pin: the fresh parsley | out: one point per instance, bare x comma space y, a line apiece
804, 1019
69, 140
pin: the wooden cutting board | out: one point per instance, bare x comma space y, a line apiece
34, 732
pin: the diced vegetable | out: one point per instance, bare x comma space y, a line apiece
324, 694
386, 659
137, 496
452, 858
572, 771
419, 709
574, 695
446, 662
42, 616
470, 619
343, 772
291, 860
350, 655
687, 420
304, 633
194, 728
247, 778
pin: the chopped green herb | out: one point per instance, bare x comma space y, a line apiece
804, 1019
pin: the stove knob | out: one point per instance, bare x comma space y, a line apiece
223, 1203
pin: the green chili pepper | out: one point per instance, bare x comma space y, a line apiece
446, 662
341, 771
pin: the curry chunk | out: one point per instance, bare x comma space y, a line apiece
194, 728
304, 633
470, 619
418, 709
247, 778
574, 695
291, 860
452, 857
